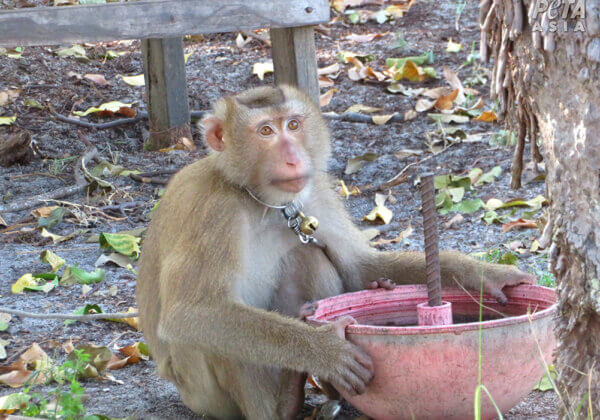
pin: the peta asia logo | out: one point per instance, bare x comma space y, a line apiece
558, 16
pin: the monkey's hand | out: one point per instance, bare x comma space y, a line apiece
351, 368
495, 277
382, 283
307, 309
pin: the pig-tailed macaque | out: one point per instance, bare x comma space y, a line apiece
241, 240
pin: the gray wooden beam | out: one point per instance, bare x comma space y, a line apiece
168, 109
152, 19
295, 60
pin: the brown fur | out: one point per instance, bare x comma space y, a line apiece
221, 278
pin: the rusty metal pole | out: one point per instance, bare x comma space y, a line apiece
432, 259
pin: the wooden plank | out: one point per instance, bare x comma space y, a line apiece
168, 109
152, 19
295, 59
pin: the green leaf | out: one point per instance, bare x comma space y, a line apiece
490, 176
84, 310
457, 194
419, 60
8, 120
55, 217
354, 164
545, 384
467, 207
354, 18
508, 259
121, 243
41, 282
74, 275
4, 320
32, 103
54, 260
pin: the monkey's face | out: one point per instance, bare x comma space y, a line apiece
283, 163
271, 140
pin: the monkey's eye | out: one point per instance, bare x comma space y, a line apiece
265, 130
293, 125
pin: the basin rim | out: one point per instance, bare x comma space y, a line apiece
362, 329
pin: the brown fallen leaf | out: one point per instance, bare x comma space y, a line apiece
360, 72
382, 119
97, 79
330, 69
325, 82
520, 223
444, 102
325, 98
435, 93
453, 80
487, 116
9, 95
134, 353
423, 105
30, 367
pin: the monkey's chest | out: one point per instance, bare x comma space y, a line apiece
262, 265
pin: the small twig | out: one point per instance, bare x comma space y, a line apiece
35, 174
86, 317
120, 208
31, 202
142, 115
148, 180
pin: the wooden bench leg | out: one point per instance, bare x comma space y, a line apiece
295, 58
168, 109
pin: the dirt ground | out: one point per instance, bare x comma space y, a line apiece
215, 68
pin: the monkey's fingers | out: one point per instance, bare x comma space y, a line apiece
383, 283
308, 309
340, 324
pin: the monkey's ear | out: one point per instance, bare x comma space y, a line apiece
213, 132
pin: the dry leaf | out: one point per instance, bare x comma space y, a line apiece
2, 222
423, 105
23, 370
454, 222
43, 211
435, 93
331, 69
97, 79
382, 119
365, 109
360, 71
260, 69
325, 98
380, 212
137, 80
411, 114
401, 236
487, 116
8, 96
444, 102
134, 322
347, 192
325, 82
363, 38
453, 80
520, 223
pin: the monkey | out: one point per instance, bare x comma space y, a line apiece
223, 275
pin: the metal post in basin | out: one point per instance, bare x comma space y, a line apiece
435, 311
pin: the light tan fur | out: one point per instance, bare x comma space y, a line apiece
221, 280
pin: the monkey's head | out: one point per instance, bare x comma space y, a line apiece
271, 140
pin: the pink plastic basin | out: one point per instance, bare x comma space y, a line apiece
430, 372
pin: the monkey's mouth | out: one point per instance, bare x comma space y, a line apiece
294, 185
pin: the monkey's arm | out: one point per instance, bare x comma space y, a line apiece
409, 267
360, 264
248, 334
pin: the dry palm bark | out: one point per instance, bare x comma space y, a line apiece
547, 82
